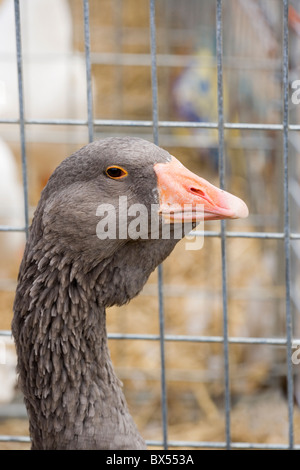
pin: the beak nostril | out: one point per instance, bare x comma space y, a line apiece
197, 191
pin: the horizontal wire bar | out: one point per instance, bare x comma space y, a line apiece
198, 233
149, 123
128, 58
177, 60
5, 333
193, 444
7, 228
204, 339
6, 438
193, 339
140, 59
260, 235
222, 445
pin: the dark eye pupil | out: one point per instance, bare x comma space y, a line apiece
114, 172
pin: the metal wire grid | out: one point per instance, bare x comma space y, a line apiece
155, 124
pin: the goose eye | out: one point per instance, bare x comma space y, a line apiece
116, 172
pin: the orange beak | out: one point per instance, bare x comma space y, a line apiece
185, 196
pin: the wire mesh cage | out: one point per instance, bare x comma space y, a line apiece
208, 353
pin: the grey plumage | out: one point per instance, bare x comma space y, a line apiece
67, 278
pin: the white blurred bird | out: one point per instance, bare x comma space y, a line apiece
54, 75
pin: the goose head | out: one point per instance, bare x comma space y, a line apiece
121, 200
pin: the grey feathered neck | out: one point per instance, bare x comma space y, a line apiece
73, 396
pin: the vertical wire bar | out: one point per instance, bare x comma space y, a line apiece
154, 72
219, 44
21, 113
160, 268
289, 351
87, 47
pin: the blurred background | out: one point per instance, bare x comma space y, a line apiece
54, 82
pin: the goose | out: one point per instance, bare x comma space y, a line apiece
72, 271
